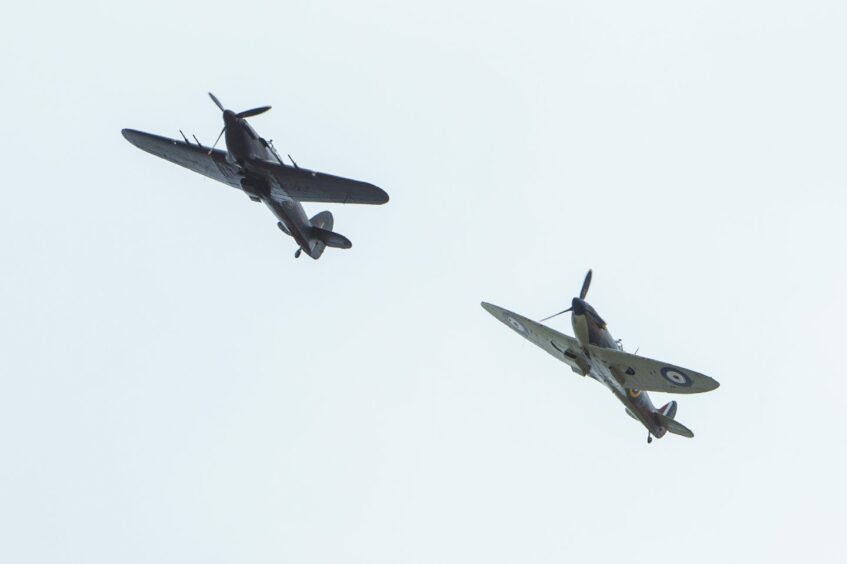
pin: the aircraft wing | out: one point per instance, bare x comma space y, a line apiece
192, 157
561, 346
298, 183
651, 375
310, 186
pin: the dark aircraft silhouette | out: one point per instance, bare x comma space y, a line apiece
251, 164
597, 354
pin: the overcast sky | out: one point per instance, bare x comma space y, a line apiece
177, 388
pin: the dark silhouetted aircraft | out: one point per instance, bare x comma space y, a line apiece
596, 354
251, 164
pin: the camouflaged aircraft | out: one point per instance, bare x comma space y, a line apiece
595, 353
252, 165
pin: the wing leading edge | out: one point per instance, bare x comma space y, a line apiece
311, 186
192, 157
299, 183
561, 346
652, 375
634, 371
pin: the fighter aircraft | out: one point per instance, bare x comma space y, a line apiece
595, 353
251, 164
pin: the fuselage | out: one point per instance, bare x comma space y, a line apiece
245, 146
589, 328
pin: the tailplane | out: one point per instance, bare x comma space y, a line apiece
331, 239
666, 415
322, 235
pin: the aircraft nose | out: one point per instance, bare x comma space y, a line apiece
578, 306
229, 116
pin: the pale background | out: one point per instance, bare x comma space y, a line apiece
177, 388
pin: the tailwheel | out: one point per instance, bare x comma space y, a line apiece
649, 438
297, 253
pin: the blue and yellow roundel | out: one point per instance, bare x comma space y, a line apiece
634, 393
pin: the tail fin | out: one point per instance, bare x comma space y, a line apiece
669, 409
323, 220
665, 415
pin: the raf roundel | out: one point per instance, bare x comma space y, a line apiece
676, 377
515, 324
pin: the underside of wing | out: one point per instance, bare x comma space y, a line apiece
192, 157
561, 346
651, 375
310, 186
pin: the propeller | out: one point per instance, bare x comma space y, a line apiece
241, 115
585, 284
582, 293
216, 140
217, 102
253, 112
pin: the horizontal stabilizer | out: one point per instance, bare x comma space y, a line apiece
331, 239
673, 426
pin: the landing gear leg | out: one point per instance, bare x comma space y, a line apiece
297, 254
649, 438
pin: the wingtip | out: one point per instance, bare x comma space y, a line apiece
490, 308
376, 195
130, 135
710, 385
382, 195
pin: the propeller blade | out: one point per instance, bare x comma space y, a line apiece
585, 284
253, 112
216, 101
555, 314
216, 140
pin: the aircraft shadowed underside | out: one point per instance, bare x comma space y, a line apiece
595, 353
251, 164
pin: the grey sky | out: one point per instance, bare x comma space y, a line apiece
159, 402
